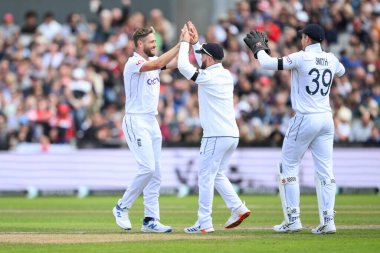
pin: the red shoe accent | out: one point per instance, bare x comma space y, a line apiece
240, 220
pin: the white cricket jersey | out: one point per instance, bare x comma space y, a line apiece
142, 89
312, 73
215, 95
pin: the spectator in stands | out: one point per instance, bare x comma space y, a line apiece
79, 95
342, 124
53, 58
165, 31
49, 28
62, 124
30, 23
104, 28
361, 129
8, 29
74, 26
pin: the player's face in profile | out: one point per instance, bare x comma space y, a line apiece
149, 45
303, 40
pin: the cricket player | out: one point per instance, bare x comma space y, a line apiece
220, 132
141, 129
312, 72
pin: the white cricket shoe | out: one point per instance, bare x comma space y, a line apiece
285, 227
122, 218
196, 229
328, 228
155, 226
237, 216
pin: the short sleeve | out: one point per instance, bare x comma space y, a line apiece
134, 64
340, 69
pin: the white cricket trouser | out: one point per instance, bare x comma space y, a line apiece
314, 131
144, 139
215, 154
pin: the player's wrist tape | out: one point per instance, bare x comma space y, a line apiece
194, 77
280, 64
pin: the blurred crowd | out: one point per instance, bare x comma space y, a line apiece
61, 82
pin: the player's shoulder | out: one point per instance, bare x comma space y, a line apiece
293, 58
295, 55
135, 59
332, 57
134, 62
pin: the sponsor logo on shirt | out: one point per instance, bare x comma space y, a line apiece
139, 62
289, 60
153, 81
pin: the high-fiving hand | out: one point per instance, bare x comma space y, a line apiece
193, 32
185, 36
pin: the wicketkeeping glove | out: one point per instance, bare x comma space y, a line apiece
257, 41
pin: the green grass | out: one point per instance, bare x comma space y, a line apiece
357, 219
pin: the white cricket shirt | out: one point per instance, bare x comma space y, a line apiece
312, 73
142, 89
215, 95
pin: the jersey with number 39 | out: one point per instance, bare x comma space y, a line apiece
312, 74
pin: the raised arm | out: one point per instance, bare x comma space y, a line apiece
257, 42
184, 66
173, 64
161, 61
194, 40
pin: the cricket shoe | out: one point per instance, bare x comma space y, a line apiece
196, 229
285, 227
122, 218
328, 228
237, 216
155, 226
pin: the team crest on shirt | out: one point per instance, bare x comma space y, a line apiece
139, 62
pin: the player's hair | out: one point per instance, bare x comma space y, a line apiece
313, 41
141, 33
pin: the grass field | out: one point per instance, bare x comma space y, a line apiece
68, 224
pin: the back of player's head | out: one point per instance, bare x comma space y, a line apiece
314, 31
141, 33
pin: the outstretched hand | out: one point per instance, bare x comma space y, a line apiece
257, 41
185, 36
193, 32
